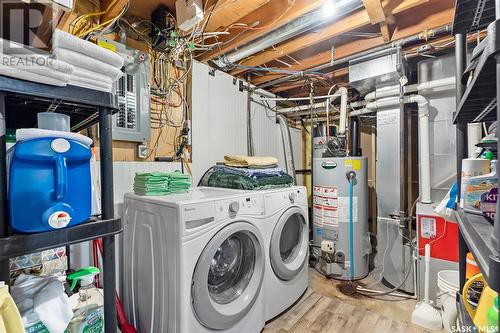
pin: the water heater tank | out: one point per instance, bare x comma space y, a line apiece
331, 211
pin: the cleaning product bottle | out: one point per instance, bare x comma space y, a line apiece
88, 311
492, 317
10, 319
479, 185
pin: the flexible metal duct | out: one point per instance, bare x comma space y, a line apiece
287, 145
299, 25
365, 55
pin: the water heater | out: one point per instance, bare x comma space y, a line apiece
331, 214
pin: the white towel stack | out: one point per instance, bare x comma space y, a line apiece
19, 62
95, 67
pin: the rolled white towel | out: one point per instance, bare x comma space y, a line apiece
23, 134
62, 39
29, 76
85, 73
33, 67
83, 61
42, 59
91, 84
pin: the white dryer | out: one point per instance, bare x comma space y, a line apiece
194, 262
286, 235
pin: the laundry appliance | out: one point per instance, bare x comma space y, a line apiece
285, 230
194, 262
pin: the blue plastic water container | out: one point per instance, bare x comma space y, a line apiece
49, 184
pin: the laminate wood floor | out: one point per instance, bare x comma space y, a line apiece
323, 309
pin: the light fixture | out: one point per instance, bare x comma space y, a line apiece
329, 8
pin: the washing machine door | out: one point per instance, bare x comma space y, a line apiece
289, 244
228, 276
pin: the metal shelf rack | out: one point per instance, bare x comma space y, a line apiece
479, 99
477, 103
20, 101
473, 15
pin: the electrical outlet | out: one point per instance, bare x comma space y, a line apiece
327, 246
142, 151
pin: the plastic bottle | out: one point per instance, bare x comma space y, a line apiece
10, 319
478, 185
492, 317
88, 311
10, 138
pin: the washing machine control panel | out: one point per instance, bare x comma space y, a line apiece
251, 205
276, 200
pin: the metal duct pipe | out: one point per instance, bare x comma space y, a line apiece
424, 137
355, 137
287, 146
250, 145
365, 55
299, 25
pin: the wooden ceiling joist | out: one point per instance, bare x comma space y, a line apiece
375, 11
440, 13
341, 52
232, 11
267, 17
352, 22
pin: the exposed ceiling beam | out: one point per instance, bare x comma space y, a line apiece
375, 11
232, 11
269, 19
384, 29
336, 75
352, 22
340, 75
341, 51
439, 13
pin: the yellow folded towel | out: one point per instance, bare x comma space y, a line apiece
249, 161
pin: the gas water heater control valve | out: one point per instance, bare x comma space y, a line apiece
234, 207
351, 175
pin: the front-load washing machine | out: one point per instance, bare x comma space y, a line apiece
286, 234
194, 262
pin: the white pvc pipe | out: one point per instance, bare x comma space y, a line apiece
424, 137
303, 107
427, 272
343, 109
297, 98
450, 81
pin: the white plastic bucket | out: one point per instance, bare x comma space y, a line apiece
448, 283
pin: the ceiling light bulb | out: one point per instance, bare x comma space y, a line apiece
329, 8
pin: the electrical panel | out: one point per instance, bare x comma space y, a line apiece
133, 120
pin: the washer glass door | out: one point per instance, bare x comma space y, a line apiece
288, 249
228, 276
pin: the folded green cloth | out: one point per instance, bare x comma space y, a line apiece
219, 178
161, 183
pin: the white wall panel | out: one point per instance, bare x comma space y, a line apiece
265, 130
219, 123
219, 119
